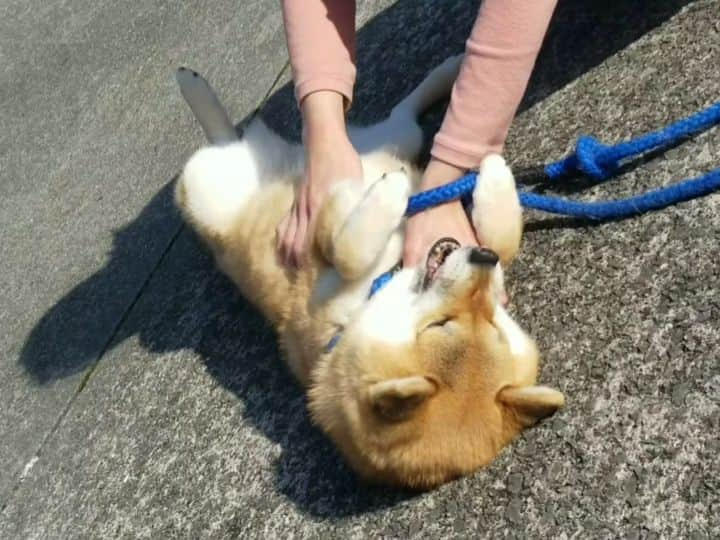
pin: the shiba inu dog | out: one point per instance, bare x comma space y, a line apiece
430, 377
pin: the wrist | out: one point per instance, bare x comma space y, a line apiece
438, 173
323, 116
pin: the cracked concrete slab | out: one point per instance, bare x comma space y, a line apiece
191, 427
93, 132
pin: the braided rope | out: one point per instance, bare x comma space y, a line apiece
623, 208
597, 160
601, 162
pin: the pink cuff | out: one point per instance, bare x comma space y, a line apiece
499, 57
342, 84
452, 152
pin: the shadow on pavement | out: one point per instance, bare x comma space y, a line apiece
396, 48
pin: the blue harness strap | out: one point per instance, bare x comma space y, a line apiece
598, 161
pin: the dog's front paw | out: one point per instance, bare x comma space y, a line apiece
388, 196
360, 232
497, 215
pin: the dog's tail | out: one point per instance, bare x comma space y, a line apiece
206, 107
436, 86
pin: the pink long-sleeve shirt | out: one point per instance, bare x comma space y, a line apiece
499, 56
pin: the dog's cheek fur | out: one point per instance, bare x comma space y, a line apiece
452, 432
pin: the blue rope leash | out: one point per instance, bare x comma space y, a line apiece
597, 211
598, 161
601, 162
632, 206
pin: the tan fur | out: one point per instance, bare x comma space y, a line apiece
455, 424
415, 412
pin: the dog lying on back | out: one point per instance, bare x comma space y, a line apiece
429, 378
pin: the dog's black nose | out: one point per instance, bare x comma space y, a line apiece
483, 256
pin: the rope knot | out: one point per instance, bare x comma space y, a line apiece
595, 158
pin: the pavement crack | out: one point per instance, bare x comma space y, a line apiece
274, 84
23, 473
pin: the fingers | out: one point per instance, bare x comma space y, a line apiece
323, 168
292, 233
280, 233
297, 250
286, 236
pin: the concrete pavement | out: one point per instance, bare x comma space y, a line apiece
142, 397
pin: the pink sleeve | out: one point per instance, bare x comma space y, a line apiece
321, 43
499, 57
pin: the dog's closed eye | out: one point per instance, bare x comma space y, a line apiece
439, 323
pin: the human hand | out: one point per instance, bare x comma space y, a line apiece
329, 158
443, 221
446, 220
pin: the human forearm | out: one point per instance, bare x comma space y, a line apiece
321, 44
499, 59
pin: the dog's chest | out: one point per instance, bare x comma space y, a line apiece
343, 301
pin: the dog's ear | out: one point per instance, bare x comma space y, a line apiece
397, 399
529, 404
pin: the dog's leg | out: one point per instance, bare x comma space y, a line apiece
272, 155
354, 226
214, 186
436, 86
400, 133
219, 179
497, 215
206, 107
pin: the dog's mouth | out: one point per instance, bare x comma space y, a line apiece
436, 257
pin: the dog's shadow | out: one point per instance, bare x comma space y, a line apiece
187, 304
